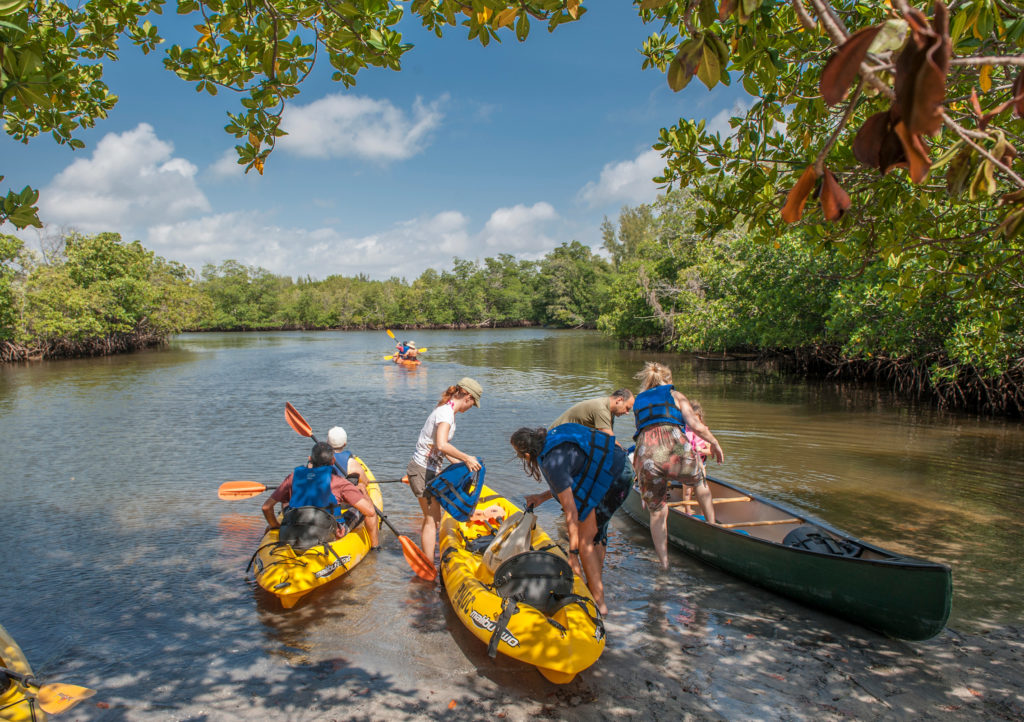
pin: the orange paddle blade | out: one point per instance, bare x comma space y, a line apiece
230, 490
295, 420
423, 567
56, 698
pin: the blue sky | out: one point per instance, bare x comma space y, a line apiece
467, 152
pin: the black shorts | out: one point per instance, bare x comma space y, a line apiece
611, 502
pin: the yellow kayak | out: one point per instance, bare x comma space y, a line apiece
561, 639
15, 704
290, 576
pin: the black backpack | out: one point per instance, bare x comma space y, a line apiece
813, 539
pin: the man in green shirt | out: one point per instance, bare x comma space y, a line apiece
598, 413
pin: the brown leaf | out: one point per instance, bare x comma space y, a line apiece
916, 152
921, 69
975, 103
834, 200
959, 171
843, 67
877, 145
725, 9
794, 208
1018, 94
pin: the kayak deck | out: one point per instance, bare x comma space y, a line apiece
560, 646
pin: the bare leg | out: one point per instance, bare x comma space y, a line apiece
706, 504
367, 509
592, 560
428, 530
659, 534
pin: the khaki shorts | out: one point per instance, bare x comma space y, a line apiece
419, 476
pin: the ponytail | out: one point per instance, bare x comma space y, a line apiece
452, 392
653, 374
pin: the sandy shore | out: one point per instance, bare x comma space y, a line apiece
690, 648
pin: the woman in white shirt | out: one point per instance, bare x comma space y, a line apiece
433, 447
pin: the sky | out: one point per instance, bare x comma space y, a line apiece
467, 152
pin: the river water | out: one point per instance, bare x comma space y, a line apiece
124, 571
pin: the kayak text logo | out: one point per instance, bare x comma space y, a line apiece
330, 568
488, 626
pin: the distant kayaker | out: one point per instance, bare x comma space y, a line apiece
587, 472
664, 454
318, 484
433, 448
599, 413
406, 351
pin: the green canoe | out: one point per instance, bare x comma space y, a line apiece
900, 596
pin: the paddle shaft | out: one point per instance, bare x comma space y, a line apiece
381, 514
719, 500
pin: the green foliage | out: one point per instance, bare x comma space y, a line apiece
101, 288
942, 253
11, 249
574, 286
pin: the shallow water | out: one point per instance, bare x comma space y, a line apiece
125, 572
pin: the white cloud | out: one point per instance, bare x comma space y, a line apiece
720, 122
337, 126
404, 249
626, 182
518, 228
132, 179
227, 165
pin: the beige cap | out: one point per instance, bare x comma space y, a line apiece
471, 387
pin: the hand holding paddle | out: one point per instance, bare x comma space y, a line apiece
423, 567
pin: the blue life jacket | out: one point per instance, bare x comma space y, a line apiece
452, 490
593, 482
656, 406
341, 458
312, 487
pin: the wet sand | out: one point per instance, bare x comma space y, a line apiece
692, 643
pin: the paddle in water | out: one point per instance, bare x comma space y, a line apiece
419, 562
53, 698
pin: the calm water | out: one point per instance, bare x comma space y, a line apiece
125, 572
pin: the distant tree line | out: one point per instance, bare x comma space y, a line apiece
91, 295
661, 284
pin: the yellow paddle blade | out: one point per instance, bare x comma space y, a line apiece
389, 333
56, 698
295, 420
388, 358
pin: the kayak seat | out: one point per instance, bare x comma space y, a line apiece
350, 520
304, 527
538, 578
